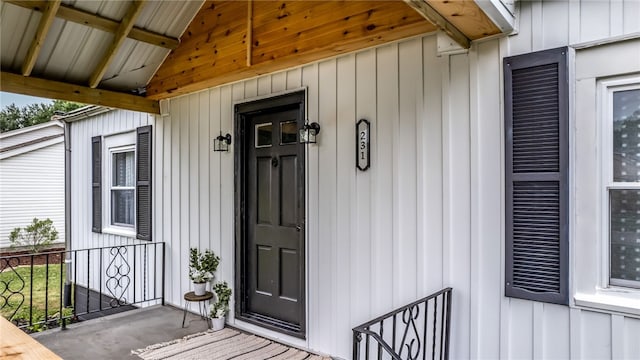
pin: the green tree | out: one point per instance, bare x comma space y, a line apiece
13, 117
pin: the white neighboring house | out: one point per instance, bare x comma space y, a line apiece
32, 178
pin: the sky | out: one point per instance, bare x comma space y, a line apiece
7, 99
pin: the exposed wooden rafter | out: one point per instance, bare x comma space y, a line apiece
429, 13
48, 14
120, 35
63, 91
249, 30
69, 13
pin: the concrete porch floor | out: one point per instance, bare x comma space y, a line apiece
114, 336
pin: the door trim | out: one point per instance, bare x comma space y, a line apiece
241, 111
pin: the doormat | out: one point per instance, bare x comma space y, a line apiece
224, 344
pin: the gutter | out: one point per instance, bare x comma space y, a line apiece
83, 113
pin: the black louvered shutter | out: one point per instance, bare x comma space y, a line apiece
96, 184
143, 183
537, 176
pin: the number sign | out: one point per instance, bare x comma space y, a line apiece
362, 145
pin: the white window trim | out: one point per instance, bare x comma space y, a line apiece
113, 144
605, 295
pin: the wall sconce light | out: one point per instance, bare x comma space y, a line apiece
309, 133
221, 143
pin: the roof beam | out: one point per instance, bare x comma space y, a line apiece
429, 13
69, 13
48, 14
121, 34
28, 85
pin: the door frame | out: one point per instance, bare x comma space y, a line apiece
241, 110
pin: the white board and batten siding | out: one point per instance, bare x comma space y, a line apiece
366, 253
429, 212
32, 178
527, 329
89, 263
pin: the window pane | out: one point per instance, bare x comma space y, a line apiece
626, 136
625, 237
123, 163
263, 135
288, 132
122, 207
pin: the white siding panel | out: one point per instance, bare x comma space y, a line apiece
383, 252
310, 79
226, 242
182, 203
594, 19
457, 214
410, 100
596, 335
555, 23
213, 183
556, 332
630, 332
520, 329
631, 13
431, 142
205, 145
363, 295
327, 203
486, 217
32, 186
345, 200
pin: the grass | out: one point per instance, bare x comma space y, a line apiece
12, 281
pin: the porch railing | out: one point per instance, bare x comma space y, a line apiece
50, 289
419, 330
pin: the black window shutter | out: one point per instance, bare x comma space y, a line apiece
96, 183
143, 183
537, 176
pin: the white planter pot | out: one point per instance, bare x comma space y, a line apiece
199, 288
217, 324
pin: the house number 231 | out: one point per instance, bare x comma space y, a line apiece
362, 145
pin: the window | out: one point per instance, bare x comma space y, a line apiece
123, 187
121, 181
605, 191
263, 135
621, 171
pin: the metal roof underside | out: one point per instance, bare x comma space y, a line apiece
71, 51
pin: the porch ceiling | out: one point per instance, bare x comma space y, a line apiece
101, 52
129, 54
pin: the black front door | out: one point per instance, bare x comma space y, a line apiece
270, 207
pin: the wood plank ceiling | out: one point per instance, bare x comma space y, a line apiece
226, 41
215, 48
233, 40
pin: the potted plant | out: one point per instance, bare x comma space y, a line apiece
221, 307
201, 269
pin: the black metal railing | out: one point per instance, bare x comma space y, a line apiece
419, 330
49, 289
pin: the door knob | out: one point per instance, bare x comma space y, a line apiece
298, 227
274, 161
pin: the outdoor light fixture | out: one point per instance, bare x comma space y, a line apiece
309, 133
221, 143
